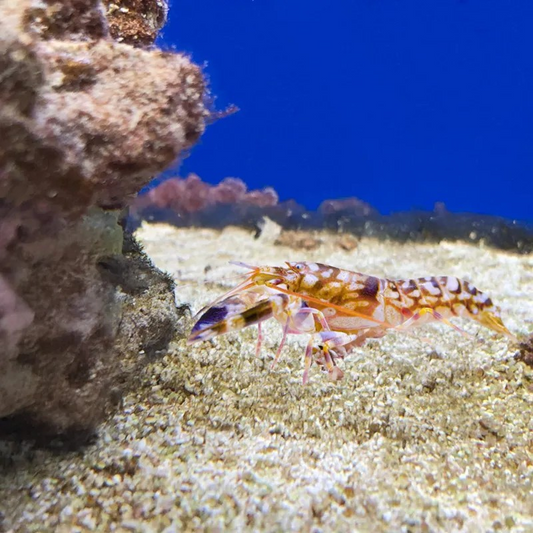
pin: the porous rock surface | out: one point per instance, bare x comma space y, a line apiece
136, 22
85, 122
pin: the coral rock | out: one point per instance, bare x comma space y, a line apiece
185, 197
266, 197
91, 331
85, 122
525, 353
299, 240
354, 206
91, 122
136, 22
193, 202
229, 191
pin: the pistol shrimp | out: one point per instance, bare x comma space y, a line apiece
341, 309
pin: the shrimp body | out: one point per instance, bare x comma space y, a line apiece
360, 301
341, 309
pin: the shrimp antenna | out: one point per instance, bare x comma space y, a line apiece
243, 265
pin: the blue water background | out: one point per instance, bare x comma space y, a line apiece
401, 103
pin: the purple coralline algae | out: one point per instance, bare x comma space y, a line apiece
191, 195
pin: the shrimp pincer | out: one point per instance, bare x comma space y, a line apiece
341, 309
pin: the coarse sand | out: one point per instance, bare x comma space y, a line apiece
416, 437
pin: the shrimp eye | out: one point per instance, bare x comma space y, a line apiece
296, 267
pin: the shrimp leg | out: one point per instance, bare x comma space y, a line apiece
297, 322
328, 343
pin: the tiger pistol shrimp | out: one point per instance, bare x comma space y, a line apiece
341, 309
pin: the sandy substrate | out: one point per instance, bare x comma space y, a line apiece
415, 438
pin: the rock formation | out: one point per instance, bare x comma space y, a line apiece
88, 115
192, 202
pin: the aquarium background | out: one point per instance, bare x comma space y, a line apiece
402, 104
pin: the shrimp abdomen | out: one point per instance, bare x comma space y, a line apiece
450, 297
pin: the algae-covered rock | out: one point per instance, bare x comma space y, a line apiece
90, 332
136, 22
85, 122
